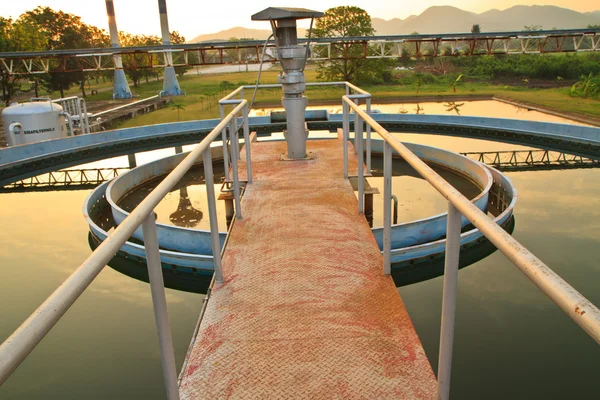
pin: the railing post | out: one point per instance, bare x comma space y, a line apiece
247, 144
212, 214
368, 149
387, 199
224, 139
449, 301
234, 168
356, 120
346, 134
159, 301
236, 129
358, 144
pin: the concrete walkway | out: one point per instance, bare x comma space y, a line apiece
305, 310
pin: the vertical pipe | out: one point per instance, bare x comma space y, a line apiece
346, 133
449, 301
356, 117
387, 198
85, 115
159, 302
247, 144
120, 86
224, 138
234, 168
170, 83
164, 22
236, 129
77, 107
368, 150
212, 213
358, 140
395, 215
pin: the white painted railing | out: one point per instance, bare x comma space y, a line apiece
18, 346
581, 310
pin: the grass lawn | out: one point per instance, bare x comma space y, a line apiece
202, 96
557, 99
203, 92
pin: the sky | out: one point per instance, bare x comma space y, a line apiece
195, 17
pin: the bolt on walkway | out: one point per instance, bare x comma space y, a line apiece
304, 310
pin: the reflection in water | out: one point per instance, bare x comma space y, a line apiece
187, 198
501, 316
186, 216
479, 108
453, 107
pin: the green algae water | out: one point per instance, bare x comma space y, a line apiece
511, 341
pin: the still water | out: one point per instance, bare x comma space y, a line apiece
510, 340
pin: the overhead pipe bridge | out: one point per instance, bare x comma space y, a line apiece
321, 49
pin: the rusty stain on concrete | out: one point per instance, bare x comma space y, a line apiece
305, 310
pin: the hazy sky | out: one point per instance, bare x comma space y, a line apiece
194, 17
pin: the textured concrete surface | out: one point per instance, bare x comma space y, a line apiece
305, 310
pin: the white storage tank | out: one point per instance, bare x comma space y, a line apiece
33, 122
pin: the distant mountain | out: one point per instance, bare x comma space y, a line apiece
237, 32
595, 14
447, 19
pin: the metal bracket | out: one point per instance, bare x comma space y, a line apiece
309, 156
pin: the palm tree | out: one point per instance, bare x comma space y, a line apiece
419, 78
456, 81
179, 107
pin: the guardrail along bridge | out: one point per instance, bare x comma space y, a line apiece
316, 299
302, 302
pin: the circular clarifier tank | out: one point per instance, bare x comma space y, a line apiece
185, 206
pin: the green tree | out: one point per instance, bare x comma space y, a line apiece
456, 82
64, 31
138, 66
476, 29
347, 21
16, 36
593, 26
179, 107
588, 86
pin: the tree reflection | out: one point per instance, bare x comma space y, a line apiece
453, 106
186, 216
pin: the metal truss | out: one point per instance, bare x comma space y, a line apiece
321, 49
532, 160
67, 179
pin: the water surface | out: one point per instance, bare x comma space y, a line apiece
511, 341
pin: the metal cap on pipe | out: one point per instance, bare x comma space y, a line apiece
272, 13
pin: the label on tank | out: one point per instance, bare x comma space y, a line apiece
39, 131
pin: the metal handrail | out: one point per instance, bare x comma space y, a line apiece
573, 303
18, 346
